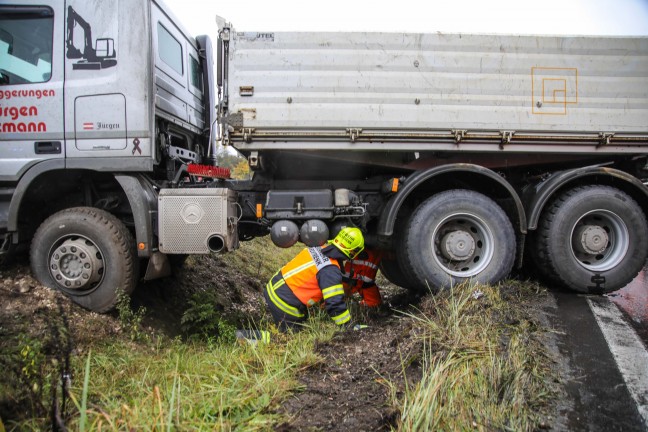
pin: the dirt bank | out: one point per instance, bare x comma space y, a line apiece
346, 390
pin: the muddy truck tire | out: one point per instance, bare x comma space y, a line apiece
86, 253
591, 239
458, 235
391, 270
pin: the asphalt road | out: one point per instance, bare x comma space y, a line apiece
604, 364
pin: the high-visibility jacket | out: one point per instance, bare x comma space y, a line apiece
359, 276
312, 277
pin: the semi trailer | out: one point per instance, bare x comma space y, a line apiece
461, 156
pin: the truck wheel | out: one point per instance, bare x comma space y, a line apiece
403, 264
459, 235
592, 239
392, 271
86, 253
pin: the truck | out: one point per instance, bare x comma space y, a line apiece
102, 106
461, 156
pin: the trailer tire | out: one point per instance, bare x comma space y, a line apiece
86, 253
459, 235
592, 239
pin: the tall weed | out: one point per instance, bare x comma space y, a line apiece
482, 366
131, 319
201, 320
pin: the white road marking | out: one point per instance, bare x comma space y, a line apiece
627, 349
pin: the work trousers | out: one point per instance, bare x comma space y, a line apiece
287, 311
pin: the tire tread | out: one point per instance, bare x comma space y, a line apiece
540, 247
120, 237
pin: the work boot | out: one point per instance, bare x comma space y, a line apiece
253, 336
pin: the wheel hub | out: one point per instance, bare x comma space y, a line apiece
457, 245
591, 239
76, 264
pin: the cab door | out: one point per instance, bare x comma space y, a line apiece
31, 85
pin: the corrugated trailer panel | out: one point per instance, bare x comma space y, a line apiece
424, 82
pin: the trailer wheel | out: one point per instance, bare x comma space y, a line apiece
592, 239
459, 235
86, 253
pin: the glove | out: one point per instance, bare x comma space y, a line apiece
360, 327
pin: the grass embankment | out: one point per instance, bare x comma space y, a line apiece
482, 366
194, 386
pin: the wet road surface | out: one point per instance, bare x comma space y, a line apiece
633, 301
597, 398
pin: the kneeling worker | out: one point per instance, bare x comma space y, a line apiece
315, 274
359, 277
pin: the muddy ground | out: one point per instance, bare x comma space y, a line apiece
344, 392
347, 392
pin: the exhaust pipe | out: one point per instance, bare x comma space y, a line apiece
216, 243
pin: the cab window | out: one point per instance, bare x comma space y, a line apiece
25, 44
196, 73
169, 49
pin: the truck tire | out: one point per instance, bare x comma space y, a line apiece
405, 274
592, 239
392, 271
459, 235
86, 253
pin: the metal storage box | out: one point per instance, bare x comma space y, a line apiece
197, 220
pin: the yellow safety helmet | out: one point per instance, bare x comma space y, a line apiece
349, 241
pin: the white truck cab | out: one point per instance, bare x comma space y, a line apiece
101, 104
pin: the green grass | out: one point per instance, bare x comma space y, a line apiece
482, 368
184, 386
483, 365
259, 258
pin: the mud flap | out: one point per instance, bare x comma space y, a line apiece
158, 266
